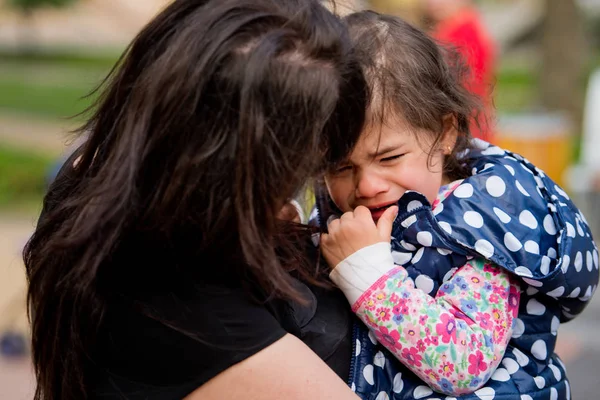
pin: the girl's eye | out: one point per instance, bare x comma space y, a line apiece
391, 158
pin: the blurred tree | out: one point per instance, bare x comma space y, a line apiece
563, 59
26, 8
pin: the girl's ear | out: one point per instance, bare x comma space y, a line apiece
449, 135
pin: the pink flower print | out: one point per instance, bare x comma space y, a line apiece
390, 338
383, 314
496, 315
423, 319
476, 363
370, 304
432, 375
434, 340
412, 356
447, 328
411, 332
400, 308
476, 281
380, 296
500, 291
447, 369
421, 346
477, 296
484, 320
487, 267
462, 339
513, 302
494, 298
394, 298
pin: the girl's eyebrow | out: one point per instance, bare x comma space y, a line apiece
386, 149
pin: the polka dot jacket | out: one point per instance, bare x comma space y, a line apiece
515, 217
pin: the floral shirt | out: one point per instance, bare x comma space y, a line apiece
453, 341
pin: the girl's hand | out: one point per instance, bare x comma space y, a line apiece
354, 231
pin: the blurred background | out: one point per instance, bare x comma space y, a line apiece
538, 72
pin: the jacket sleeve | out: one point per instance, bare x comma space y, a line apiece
454, 341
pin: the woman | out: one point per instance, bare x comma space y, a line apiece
159, 268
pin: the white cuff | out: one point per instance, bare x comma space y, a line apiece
359, 271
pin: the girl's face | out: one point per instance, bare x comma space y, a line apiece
387, 161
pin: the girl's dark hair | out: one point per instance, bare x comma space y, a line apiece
215, 115
413, 78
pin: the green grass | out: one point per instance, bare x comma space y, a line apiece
22, 177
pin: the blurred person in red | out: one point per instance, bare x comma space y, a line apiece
457, 23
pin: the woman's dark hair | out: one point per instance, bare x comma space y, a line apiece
215, 115
413, 78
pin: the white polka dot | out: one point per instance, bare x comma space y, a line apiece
526, 218
510, 169
554, 325
501, 375
511, 242
533, 282
488, 166
493, 151
449, 274
422, 391
518, 329
398, 383
564, 263
424, 283
531, 291
424, 238
539, 349
595, 255
559, 291
510, 365
568, 387
556, 372
473, 219
353, 387
521, 189
570, 230
588, 260
486, 393
502, 216
552, 252
522, 359
401, 258
368, 374
575, 292
534, 307
553, 394
578, 264
418, 255
446, 226
382, 396
545, 265
464, 191
532, 247
495, 186
407, 245
438, 209
484, 248
372, 337
579, 229
413, 205
444, 252
523, 271
561, 192
526, 397
379, 359
540, 382
587, 295
357, 348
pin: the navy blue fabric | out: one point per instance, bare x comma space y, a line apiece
511, 213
